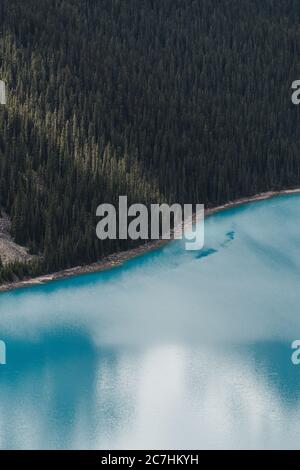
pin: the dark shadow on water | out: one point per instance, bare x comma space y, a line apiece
272, 362
206, 252
54, 381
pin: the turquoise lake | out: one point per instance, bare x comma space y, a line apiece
174, 350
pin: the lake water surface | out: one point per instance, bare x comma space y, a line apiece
174, 350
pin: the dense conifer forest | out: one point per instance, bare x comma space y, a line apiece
162, 100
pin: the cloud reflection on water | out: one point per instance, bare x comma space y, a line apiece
173, 350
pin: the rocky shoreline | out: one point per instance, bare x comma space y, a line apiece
117, 259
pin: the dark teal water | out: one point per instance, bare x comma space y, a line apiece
175, 349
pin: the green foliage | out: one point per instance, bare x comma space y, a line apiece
162, 100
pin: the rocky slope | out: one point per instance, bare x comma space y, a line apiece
9, 250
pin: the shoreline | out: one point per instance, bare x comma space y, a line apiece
118, 259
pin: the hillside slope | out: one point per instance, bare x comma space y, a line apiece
160, 100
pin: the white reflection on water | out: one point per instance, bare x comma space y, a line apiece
174, 350
164, 397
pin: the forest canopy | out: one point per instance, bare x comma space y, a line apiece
162, 100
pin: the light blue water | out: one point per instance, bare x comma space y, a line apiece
175, 349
